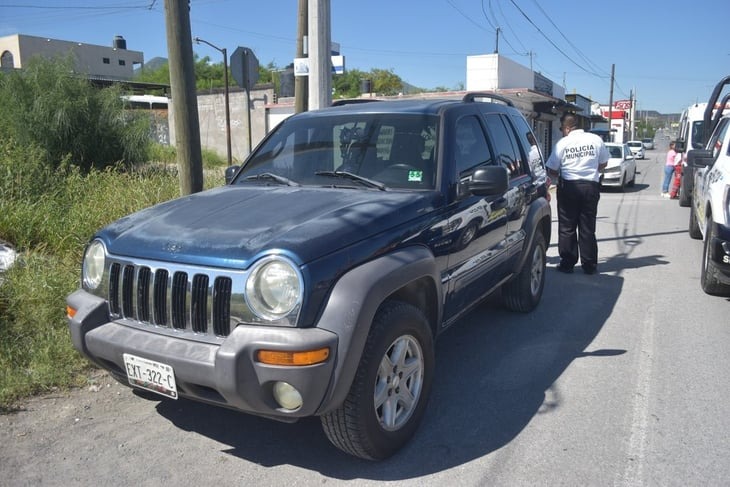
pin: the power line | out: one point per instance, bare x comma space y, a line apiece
553, 43
585, 58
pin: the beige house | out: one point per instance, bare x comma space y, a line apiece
114, 62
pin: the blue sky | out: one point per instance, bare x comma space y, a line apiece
670, 53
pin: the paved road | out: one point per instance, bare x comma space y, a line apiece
616, 379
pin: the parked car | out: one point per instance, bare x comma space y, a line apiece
621, 168
648, 143
637, 148
315, 282
709, 216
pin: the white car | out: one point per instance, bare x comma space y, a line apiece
648, 143
637, 148
621, 168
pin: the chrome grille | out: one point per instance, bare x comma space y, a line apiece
184, 299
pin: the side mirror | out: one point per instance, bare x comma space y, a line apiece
231, 172
699, 158
489, 181
680, 145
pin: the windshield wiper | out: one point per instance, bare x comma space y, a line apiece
272, 177
353, 177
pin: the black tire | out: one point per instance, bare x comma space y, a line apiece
685, 186
711, 284
396, 371
523, 292
694, 228
632, 182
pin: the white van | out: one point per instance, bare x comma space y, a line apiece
690, 137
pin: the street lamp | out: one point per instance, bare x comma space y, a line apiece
223, 51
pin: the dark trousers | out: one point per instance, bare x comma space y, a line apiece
577, 209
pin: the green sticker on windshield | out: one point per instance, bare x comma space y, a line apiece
415, 176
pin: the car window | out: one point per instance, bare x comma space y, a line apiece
697, 135
470, 148
718, 136
528, 145
615, 151
504, 144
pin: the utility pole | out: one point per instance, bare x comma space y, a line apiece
320, 57
610, 105
184, 97
496, 44
301, 90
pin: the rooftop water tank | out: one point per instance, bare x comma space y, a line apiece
119, 43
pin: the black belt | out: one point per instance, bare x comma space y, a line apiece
580, 181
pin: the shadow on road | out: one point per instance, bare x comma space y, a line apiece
496, 371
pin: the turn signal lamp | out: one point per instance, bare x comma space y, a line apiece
70, 312
278, 357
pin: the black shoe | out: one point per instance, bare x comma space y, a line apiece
564, 269
589, 270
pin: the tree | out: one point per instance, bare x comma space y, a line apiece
386, 82
49, 107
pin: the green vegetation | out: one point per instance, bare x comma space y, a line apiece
348, 85
71, 161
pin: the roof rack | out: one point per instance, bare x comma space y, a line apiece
352, 101
472, 97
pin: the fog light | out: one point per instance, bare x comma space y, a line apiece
287, 396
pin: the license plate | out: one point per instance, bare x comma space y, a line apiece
151, 375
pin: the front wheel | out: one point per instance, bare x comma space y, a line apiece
388, 396
523, 292
694, 228
711, 284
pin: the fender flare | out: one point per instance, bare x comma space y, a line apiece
355, 299
539, 210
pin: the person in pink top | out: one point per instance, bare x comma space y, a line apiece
673, 158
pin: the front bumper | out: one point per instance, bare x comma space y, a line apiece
220, 371
612, 178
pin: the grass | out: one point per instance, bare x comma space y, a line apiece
49, 231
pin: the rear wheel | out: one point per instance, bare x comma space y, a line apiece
685, 186
523, 292
711, 284
388, 396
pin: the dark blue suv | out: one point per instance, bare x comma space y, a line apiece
316, 280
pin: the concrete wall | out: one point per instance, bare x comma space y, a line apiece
212, 118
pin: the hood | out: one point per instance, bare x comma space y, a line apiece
232, 225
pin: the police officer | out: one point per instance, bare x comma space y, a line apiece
577, 160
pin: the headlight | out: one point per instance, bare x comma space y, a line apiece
274, 288
93, 267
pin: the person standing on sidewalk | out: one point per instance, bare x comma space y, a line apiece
577, 160
673, 159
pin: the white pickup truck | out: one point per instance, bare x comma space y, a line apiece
709, 217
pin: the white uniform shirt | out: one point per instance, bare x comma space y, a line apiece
577, 156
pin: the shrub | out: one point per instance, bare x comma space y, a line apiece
48, 107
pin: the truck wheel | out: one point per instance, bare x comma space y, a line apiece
685, 187
523, 291
388, 396
709, 275
694, 227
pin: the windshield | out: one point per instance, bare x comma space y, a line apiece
635, 144
615, 151
352, 150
